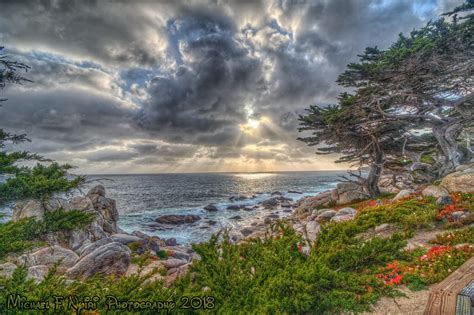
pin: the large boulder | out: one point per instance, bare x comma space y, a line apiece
37, 273
7, 269
125, 238
28, 208
270, 203
177, 219
460, 181
435, 191
404, 193
110, 259
211, 208
106, 207
49, 256
348, 192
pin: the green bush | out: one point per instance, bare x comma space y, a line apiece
27, 233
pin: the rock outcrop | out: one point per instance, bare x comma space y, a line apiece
109, 259
462, 180
177, 219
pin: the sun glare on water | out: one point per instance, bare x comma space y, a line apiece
254, 175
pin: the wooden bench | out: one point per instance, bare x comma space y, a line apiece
444, 295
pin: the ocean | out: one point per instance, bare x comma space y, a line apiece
142, 198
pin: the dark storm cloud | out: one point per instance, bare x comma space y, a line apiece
156, 82
205, 97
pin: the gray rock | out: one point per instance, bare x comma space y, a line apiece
97, 190
177, 219
139, 234
171, 242
212, 222
326, 215
211, 208
294, 192
233, 207
347, 210
446, 200
435, 191
404, 193
342, 218
82, 204
37, 273
174, 263
109, 259
247, 208
270, 203
312, 230
125, 238
182, 256
107, 209
54, 204
236, 217
90, 248
49, 256
246, 231
276, 193
286, 205
7, 269
458, 215
26, 209
382, 227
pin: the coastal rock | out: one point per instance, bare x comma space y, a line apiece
381, 228
347, 210
286, 205
210, 207
173, 263
460, 181
177, 219
459, 215
276, 193
246, 232
233, 207
97, 190
312, 230
109, 259
37, 273
171, 242
404, 193
140, 234
294, 192
342, 218
106, 207
54, 204
326, 215
270, 203
348, 192
93, 246
7, 269
28, 208
236, 217
49, 256
82, 203
125, 238
435, 191
445, 200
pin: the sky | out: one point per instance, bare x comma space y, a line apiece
187, 86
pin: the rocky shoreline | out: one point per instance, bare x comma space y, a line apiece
103, 248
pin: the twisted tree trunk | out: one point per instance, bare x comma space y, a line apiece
375, 172
446, 134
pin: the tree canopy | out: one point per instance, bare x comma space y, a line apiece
408, 106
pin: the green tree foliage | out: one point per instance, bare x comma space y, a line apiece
21, 181
409, 105
27, 233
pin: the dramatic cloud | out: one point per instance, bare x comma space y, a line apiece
157, 86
